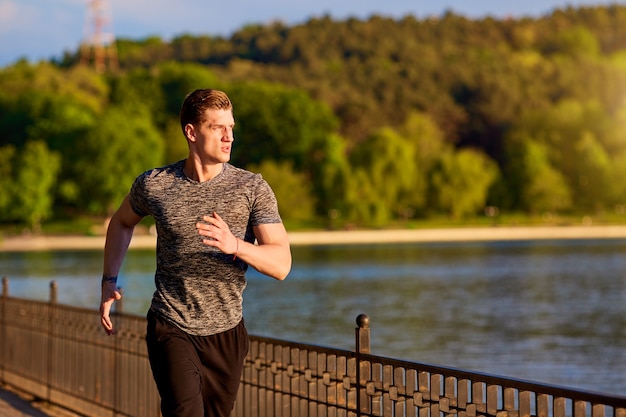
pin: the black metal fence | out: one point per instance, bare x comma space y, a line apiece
60, 355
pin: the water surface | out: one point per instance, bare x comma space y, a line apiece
547, 311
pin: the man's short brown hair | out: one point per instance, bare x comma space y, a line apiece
198, 102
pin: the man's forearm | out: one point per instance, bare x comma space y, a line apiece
117, 241
273, 260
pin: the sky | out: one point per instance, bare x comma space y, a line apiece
44, 29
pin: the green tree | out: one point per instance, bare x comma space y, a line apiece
429, 142
142, 53
179, 79
139, 87
545, 189
618, 158
35, 171
176, 147
279, 123
292, 190
7, 184
363, 206
390, 163
461, 182
121, 145
594, 173
619, 185
44, 103
575, 42
80, 84
331, 180
580, 140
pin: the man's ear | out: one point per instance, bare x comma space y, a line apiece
190, 132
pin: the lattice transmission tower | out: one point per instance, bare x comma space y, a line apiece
98, 46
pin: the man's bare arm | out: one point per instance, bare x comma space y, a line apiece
119, 234
271, 256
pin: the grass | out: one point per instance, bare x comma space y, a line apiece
502, 220
90, 226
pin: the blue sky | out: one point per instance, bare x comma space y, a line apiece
43, 29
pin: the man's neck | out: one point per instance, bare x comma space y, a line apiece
197, 171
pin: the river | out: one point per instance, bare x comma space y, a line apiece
550, 311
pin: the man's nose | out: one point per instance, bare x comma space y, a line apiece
229, 135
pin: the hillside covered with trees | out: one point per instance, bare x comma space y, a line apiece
355, 123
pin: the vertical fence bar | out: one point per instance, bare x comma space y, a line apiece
3, 335
49, 354
54, 293
118, 306
362, 346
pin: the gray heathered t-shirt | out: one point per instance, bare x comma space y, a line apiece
198, 287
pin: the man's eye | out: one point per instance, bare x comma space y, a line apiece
221, 128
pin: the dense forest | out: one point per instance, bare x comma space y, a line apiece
355, 123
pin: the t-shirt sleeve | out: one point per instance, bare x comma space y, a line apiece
137, 196
265, 207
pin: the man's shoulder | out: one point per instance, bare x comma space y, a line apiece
173, 169
248, 182
240, 174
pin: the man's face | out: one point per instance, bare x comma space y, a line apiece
212, 140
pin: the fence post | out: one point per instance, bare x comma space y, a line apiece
363, 334
362, 346
5, 287
3, 336
53, 292
51, 322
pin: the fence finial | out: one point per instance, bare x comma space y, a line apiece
53, 292
363, 321
363, 333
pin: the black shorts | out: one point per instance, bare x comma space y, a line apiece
197, 376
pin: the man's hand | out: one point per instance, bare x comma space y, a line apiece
215, 232
110, 293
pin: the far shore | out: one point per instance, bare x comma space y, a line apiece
495, 233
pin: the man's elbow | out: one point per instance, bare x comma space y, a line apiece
281, 276
283, 270
118, 223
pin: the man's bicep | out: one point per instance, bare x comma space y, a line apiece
271, 233
126, 215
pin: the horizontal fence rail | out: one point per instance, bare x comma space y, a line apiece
59, 354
